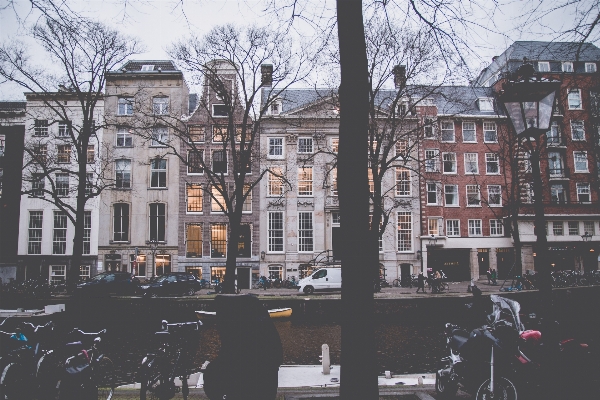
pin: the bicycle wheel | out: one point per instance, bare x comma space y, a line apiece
13, 384
150, 382
104, 378
395, 283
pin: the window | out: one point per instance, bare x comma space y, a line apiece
583, 192
574, 99
40, 153
496, 227
577, 130
34, 242
89, 183
371, 182
402, 182
567, 66
451, 195
405, 231
468, 129
275, 108
473, 196
453, 227
543, 66
219, 161
590, 67
489, 132
195, 161
121, 222
402, 148
486, 104
244, 247
91, 154
247, 205
243, 161
157, 222
160, 136
334, 187
494, 195
431, 160
62, 184
449, 163
59, 233
433, 226
471, 165
432, 193
573, 228
218, 240
220, 134
527, 194
588, 227
158, 173
305, 231
160, 105
558, 194
305, 181
87, 232
429, 128
196, 133
194, 197
38, 182
447, 131
84, 272
148, 67
275, 183
276, 147
125, 106
527, 161
553, 135
581, 161
217, 201
475, 227
555, 163
492, 164
124, 137
220, 110
58, 274
193, 240
40, 127
63, 129
123, 174
335, 144
163, 265
305, 145
275, 231
558, 228
63, 153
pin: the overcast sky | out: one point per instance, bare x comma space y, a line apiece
157, 23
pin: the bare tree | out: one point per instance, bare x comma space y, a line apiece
83, 50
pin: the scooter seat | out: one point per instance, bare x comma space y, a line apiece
459, 338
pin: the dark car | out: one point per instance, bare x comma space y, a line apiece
120, 283
172, 284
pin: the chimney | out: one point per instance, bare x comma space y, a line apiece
266, 71
399, 72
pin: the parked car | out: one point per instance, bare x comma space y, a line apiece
172, 284
120, 283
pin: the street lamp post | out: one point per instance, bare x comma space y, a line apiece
529, 100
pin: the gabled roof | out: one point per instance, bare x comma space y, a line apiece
553, 51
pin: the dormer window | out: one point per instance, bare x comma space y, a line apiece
275, 107
590, 67
567, 66
148, 67
543, 66
485, 104
428, 102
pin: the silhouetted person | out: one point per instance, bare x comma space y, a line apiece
420, 282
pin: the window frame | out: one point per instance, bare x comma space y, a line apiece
404, 238
125, 106
485, 104
87, 233
558, 228
193, 165
40, 127
474, 130
576, 126
432, 164
405, 182
591, 64
563, 191
577, 157
428, 187
305, 147
160, 105
455, 194
123, 172
272, 146
446, 129
451, 230
160, 135
306, 233
306, 183
583, 189
199, 243
63, 153
545, 64
498, 226
490, 127
157, 172
275, 182
124, 222
567, 66
201, 135
62, 184
453, 163
59, 232
225, 162
35, 231
222, 243
219, 115
478, 190
499, 194
125, 136
473, 228
573, 228
274, 241
489, 161
195, 192
571, 100
156, 221
474, 162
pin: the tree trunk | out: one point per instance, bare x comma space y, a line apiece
232, 249
359, 371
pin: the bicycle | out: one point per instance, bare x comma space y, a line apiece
159, 369
80, 370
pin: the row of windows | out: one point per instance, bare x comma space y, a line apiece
447, 130
62, 184
435, 226
41, 128
160, 106
556, 163
471, 162
566, 66
572, 229
559, 193
63, 153
194, 244
156, 222
195, 195
451, 195
59, 232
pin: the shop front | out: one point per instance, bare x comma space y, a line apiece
455, 263
577, 256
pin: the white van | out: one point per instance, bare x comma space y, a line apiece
322, 279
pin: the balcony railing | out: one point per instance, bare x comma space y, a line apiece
559, 173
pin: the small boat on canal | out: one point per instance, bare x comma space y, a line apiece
273, 313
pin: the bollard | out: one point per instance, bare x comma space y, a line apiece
388, 374
420, 381
325, 359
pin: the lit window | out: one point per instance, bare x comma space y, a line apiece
125, 106
275, 183
402, 148
63, 153
244, 246
468, 129
120, 222
124, 137
402, 182
305, 181
574, 99
193, 240
34, 243
494, 195
194, 197
543, 66
275, 231
218, 240
573, 228
432, 193
447, 131
433, 226
471, 165
453, 227
59, 233
305, 231
217, 201
160, 105
558, 228
305, 145
335, 143
158, 173
196, 133
432, 160
581, 161
123, 174
473, 195
371, 182
489, 132
276, 147
157, 222
449, 163
492, 163
451, 195
475, 227
84, 271
405, 231
40, 153
496, 227
583, 192
577, 130
567, 66
590, 67
195, 161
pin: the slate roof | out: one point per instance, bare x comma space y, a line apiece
553, 51
12, 106
136, 65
